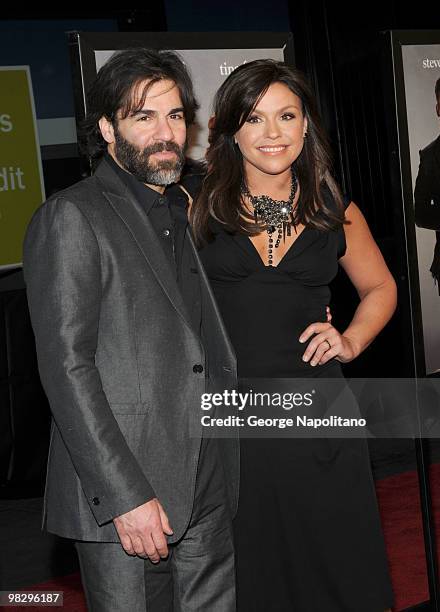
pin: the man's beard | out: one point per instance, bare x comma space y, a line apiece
137, 161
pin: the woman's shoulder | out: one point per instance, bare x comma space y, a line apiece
192, 176
330, 199
338, 236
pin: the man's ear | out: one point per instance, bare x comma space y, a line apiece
107, 130
437, 108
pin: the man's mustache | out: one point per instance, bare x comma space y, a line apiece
160, 147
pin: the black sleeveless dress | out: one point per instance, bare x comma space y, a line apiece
307, 534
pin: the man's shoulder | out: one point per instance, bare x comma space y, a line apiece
85, 194
432, 149
78, 192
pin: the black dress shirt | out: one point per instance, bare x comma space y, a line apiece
167, 214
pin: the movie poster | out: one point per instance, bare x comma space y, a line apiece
421, 69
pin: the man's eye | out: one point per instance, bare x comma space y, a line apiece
253, 119
144, 118
177, 116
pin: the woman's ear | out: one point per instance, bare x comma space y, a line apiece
306, 127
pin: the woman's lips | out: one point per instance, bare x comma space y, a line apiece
273, 150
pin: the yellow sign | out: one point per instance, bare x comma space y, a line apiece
21, 176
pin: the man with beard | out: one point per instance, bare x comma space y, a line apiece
427, 192
128, 338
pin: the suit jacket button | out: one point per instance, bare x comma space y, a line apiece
95, 501
198, 368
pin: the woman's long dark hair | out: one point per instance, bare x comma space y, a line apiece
220, 195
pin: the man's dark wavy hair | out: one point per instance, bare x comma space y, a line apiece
437, 89
116, 89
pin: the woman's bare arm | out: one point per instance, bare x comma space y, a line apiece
365, 266
367, 270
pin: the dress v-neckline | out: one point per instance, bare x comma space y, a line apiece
260, 259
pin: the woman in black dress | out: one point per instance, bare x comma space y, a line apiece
272, 226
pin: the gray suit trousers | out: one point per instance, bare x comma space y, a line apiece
198, 573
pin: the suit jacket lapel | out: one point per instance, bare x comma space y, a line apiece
217, 318
132, 215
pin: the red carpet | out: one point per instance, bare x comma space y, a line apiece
398, 498
73, 595
399, 504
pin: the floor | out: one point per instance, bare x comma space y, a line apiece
29, 556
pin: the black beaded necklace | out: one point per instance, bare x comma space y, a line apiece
275, 215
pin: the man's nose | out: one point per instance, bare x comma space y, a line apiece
163, 130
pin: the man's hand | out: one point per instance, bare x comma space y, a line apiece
142, 529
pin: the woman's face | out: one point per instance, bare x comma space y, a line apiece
273, 136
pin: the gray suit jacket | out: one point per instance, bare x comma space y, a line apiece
116, 354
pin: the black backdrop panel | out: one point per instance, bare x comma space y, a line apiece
24, 411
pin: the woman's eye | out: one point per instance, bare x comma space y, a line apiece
288, 116
253, 119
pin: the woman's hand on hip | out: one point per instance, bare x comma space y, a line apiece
327, 343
